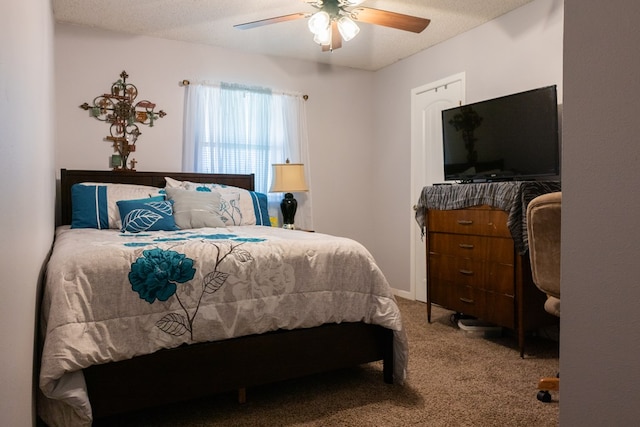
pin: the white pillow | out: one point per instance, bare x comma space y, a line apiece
195, 209
237, 205
117, 192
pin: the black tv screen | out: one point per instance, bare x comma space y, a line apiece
508, 138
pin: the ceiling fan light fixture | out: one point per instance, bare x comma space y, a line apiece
348, 29
335, 21
319, 22
323, 38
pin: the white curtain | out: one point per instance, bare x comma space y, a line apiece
231, 128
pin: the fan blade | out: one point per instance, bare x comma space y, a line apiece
336, 39
390, 19
277, 19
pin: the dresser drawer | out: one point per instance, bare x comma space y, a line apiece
496, 308
490, 249
454, 296
491, 276
490, 306
480, 221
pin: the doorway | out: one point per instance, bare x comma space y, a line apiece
427, 103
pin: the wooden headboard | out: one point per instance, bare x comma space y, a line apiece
155, 179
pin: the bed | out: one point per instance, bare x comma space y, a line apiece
134, 319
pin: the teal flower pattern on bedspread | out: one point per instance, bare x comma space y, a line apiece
157, 274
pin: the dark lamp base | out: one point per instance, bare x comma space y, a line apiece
288, 206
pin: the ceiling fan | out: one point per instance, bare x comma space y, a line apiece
334, 21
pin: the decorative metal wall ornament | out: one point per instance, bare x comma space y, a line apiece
120, 109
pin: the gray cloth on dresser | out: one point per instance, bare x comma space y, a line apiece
512, 196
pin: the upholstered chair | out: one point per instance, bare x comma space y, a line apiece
543, 228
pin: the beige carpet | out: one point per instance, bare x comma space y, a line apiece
455, 379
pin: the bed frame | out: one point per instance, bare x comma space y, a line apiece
198, 370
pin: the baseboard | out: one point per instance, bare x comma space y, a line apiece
403, 294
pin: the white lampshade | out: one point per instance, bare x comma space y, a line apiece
288, 178
348, 29
323, 37
319, 22
353, 2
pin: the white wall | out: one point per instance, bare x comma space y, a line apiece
27, 185
599, 336
339, 111
518, 51
600, 229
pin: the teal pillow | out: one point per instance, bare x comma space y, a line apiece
89, 206
150, 214
260, 208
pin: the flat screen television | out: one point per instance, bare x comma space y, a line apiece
513, 137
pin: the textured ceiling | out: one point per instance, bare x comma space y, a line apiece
211, 22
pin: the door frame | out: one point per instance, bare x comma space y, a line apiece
414, 142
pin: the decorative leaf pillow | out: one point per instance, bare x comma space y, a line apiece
150, 214
195, 209
237, 205
94, 204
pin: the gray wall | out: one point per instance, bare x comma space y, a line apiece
27, 185
359, 122
518, 51
600, 334
338, 110
600, 326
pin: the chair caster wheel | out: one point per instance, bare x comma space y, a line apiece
544, 396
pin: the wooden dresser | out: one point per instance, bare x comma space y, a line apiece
473, 268
478, 254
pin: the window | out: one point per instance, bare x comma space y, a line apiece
238, 129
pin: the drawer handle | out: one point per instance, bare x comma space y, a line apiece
466, 246
465, 222
466, 272
467, 300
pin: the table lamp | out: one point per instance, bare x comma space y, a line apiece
288, 178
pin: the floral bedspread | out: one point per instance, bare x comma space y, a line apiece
111, 296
